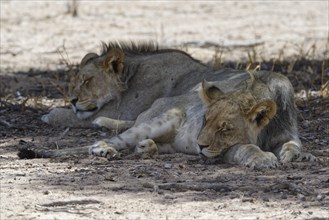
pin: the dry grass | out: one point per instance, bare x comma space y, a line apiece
72, 8
303, 64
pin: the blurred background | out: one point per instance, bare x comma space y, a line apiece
34, 32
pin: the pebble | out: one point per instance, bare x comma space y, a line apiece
284, 196
301, 197
306, 123
244, 199
319, 197
168, 166
234, 196
266, 199
168, 196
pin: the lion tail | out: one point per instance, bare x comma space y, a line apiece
27, 153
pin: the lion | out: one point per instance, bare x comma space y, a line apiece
251, 123
122, 82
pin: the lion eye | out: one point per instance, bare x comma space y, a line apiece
227, 129
224, 127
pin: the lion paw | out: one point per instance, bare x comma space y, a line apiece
100, 122
288, 156
103, 149
262, 160
147, 148
289, 152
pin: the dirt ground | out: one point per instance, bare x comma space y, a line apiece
36, 39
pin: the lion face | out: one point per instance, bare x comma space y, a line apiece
231, 119
97, 82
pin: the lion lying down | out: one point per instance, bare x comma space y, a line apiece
253, 124
123, 81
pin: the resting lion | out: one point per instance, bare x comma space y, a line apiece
123, 81
252, 123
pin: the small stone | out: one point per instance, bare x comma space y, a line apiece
46, 192
266, 199
244, 199
168, 196
234, 196
301, 197
306, 123
319, 197
168, 166
148, 185
284, 196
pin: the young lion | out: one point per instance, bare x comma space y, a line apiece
123, 81
253, 123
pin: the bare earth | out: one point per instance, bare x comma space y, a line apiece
32, 79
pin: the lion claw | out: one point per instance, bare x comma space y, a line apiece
307, 157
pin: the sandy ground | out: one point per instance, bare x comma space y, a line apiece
172, 186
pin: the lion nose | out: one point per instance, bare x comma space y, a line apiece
74, 101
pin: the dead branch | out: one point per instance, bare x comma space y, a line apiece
195, 187
5, 123
70, 202
292, 187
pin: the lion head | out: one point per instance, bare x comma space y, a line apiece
231, 118
98, 81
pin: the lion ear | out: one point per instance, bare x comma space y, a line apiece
114, 61
87, 58
209, 92
262, 113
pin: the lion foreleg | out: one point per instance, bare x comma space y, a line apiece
113, 124
251, 156
159, 128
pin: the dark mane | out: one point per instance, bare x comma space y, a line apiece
140, 48
134, 48
131, 47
